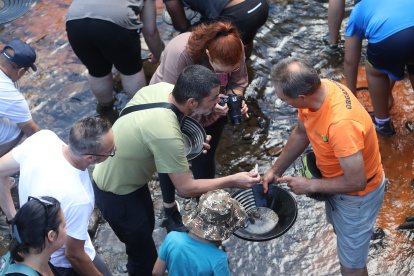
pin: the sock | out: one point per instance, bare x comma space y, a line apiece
382, 121
168, 205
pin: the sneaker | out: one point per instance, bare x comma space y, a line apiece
173, 221
386, 129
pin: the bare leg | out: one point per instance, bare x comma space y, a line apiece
336, 10
133, 83
380, 90
354, 271
102, 88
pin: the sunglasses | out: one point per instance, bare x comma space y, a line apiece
45, 203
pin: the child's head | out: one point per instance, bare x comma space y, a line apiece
216, 217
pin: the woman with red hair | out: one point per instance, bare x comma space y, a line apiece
218, 47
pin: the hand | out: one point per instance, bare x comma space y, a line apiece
244, 109
269, 178
221, 110
245, 180
206, 144
152, 59
298, 184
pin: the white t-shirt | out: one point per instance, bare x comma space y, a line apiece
13, 109
45, 172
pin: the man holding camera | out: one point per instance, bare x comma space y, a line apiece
346, 148
150, 141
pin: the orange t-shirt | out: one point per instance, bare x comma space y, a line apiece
340, 128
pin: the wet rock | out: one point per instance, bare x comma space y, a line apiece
408, 224
273, 143
94, 221
276, 151
409, 125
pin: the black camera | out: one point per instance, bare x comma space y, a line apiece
234, 102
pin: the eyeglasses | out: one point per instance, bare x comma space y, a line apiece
112, 154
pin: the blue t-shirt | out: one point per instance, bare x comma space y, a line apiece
184, 255
378, 19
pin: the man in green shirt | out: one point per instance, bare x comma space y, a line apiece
149, 141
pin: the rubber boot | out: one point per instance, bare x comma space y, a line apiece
173, 221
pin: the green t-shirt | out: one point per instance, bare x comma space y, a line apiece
147, 141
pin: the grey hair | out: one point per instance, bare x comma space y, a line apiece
295, 77
86, 134
195, 81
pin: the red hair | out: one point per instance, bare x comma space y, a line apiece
221, 39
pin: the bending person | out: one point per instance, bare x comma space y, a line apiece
389, 28
105, 33
38, 230
247, 16
218, 47
150, 141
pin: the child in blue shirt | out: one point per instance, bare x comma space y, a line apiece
216, 217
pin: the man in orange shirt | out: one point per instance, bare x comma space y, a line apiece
345, 143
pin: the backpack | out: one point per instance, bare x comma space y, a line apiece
6, 267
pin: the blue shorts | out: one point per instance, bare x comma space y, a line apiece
393, 54
353, 218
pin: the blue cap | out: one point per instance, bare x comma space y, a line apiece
24, 54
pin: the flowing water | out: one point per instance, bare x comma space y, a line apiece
58, 95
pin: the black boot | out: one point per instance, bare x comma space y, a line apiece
108, 111
173, 221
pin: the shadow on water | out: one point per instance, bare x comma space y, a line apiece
58, 95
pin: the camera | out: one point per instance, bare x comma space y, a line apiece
234, 102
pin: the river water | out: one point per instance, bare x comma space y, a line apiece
58, 95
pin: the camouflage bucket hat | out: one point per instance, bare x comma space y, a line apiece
216, 217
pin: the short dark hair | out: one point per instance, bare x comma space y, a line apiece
195, 81
85, 135
32, 223
293, 81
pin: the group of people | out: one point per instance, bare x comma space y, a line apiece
196, 70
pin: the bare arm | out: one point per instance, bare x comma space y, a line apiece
150, 30
353, 47
159, 268
187, 186
176, 10
8, 166
80, 261
29, 127
296, 144
353, 180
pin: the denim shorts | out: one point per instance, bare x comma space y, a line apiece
353, 218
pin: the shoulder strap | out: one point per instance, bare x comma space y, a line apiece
22, 269
138, 107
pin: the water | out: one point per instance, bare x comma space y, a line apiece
58, 95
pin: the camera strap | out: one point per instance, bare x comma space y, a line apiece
139, 107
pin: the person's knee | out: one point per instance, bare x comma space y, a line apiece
132, 83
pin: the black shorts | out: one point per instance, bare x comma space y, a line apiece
99, 44
393, 54
248, 17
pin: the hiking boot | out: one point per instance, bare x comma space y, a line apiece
108, 112
386, 129
173, 221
